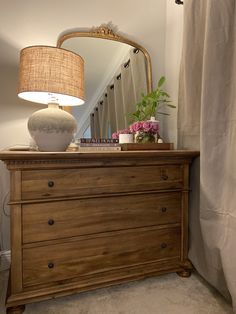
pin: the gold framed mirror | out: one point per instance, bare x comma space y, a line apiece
91, 45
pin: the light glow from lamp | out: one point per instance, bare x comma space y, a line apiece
46, 98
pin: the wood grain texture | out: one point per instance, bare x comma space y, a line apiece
69, 182
104, 218
15, 188
16, 310
69, 160
146, 146
16, 234
33, 155
16, 249
91, 282
88, 216
117, 250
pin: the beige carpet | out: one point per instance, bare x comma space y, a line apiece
160, 295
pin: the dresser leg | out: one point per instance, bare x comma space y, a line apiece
16, 309
184, 273
187, 268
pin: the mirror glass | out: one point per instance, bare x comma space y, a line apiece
103, 59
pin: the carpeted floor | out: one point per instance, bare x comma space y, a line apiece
160, 295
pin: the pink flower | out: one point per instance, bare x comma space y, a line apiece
115, 135
125, 131
136, 126
147, 126
155, 127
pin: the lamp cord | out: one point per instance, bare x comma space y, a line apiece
5, 213
4, 204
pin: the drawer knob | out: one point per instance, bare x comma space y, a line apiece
50, 184
164, 177
163, 245
50, 265
51, 222
163, 209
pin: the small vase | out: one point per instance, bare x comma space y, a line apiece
144, 137
126, 138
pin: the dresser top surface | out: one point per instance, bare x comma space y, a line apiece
35, 155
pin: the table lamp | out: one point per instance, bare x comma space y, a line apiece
53, 76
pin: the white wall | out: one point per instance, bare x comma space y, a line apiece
173, 49
155, 24
13, 130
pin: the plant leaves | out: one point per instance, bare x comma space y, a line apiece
150, 103
161, 81
165, 94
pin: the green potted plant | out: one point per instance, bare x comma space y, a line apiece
151, 103
144, 124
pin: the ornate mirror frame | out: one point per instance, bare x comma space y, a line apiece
104, 32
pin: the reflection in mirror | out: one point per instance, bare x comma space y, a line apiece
117, 71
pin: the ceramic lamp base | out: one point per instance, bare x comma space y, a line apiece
52, 128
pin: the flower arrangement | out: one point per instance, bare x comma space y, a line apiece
144, 125
149, 126
146, 131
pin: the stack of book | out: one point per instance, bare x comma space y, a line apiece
96, 145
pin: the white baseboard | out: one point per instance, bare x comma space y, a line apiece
5, 260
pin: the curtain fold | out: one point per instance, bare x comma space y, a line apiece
112, 109
105, 121
128, 92
207, 121
92, 125
96, 123
139, 73
100, 109
119, 104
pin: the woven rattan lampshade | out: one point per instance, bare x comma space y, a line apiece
50, 74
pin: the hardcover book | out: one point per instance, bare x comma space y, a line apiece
99, 144
99, 148
98, 140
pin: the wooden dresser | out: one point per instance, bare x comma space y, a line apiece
81, 221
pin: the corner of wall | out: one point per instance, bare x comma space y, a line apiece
173, 49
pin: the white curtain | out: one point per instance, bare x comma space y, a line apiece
207, 121
104, 122
92, 125
111, 109
96, 123
138, 70
128, 91
119, 107
100, 112
121, 95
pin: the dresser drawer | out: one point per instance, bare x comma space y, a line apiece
98, 254
69, 182
54, 220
